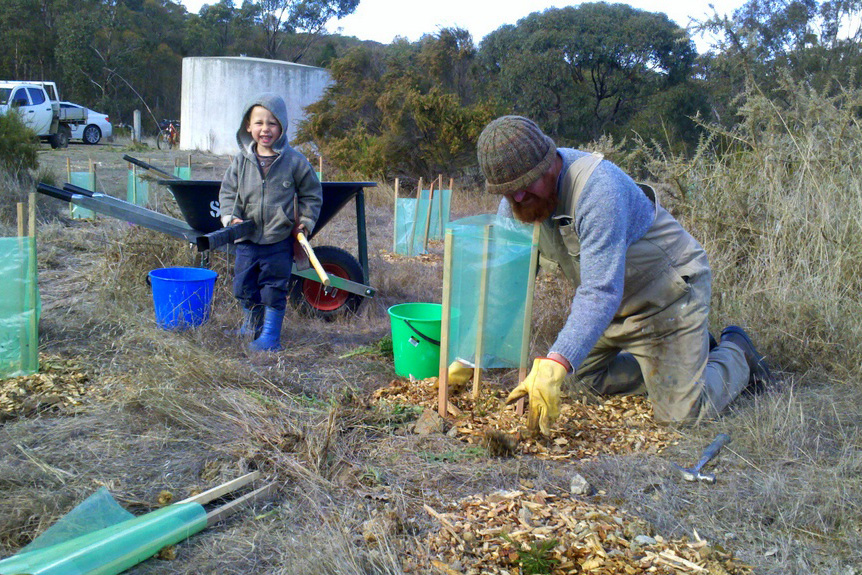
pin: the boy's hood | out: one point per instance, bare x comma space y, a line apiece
275, 104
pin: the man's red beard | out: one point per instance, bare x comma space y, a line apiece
535, 210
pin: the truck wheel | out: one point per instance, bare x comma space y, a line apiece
92, 134
309, 297
64, 134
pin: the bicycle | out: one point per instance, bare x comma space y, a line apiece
169, 135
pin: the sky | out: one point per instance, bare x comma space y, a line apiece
383, 20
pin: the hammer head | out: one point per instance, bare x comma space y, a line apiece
695, 475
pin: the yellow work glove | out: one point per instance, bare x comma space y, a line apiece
459, 374
542, 385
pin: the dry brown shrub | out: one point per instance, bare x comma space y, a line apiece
776, 202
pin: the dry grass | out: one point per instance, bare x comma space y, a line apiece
778, 213
776, 202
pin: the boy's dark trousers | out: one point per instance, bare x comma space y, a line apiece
262, 273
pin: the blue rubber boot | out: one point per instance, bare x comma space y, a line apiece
270, 336
252, 322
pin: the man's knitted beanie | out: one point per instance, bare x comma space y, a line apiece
513, 153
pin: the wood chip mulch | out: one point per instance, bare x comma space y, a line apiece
515, 532
426, 258
616, 425
59, 385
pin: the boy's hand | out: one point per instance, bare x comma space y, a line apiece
230, 220
300, 258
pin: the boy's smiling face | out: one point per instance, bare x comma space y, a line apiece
264, 129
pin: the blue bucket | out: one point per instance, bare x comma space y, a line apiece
182, 297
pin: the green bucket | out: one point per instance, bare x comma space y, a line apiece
416, 338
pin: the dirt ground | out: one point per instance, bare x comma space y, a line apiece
368, 480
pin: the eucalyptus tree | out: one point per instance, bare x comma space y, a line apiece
279, 18
587, 70
818, 42
29, 32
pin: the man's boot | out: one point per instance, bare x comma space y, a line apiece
712, 343
270, 335
252, 322
760, 376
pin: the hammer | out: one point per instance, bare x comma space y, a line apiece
709, 453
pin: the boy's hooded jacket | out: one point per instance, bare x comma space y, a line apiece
247, 195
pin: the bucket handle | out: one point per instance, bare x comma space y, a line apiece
150, 283
422, 335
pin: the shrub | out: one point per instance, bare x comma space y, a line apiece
18, 145
775, 202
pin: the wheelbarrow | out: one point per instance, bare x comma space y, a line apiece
199, 204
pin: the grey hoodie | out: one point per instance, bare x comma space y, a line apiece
246, 194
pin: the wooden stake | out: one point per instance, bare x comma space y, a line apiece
31, 219
442, 217
443, 378
190, 166
440, 201
428, 218
20, 219
229, 509
483, 305
223, 489
528, 312
320, 166
415, 217
395, 220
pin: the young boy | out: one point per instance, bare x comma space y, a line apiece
261, 184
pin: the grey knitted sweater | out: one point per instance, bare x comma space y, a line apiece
612, 213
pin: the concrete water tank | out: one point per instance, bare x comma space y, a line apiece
216, 89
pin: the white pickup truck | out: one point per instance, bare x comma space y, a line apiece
38, 104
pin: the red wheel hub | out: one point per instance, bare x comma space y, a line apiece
316, 296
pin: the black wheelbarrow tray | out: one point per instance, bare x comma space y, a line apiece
199, 204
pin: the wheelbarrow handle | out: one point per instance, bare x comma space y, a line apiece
78, 190
147, 166
57, 193
224, 236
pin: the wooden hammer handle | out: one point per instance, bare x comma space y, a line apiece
315, 263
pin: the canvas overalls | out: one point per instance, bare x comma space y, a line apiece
658, 341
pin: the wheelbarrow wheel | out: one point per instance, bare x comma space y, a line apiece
310, 297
